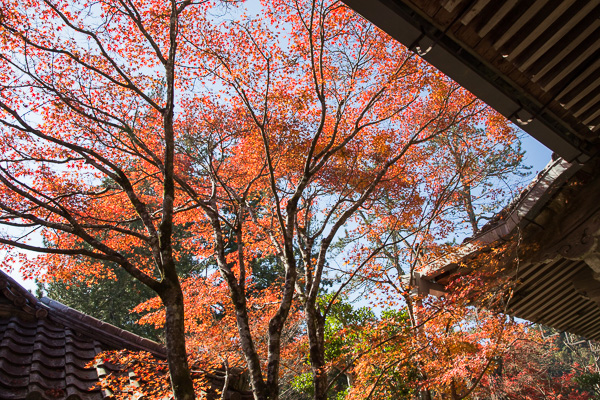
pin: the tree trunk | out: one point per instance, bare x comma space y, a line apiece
413, 312
316, 339
181, 381
424, 394
468, 201
276, 325
252, 361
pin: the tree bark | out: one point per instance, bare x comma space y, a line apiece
259, 388
238, 298
181, 381
277, 323
316, 339
468, 201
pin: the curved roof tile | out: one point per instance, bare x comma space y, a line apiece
46, 347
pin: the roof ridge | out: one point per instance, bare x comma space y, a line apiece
20, 296
100, 330
530, 201
516, 214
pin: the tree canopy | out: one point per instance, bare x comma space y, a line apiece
295, 147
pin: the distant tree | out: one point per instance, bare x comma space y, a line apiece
343, 333
489, 171
113, 299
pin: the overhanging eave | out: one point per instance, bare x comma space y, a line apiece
429, 29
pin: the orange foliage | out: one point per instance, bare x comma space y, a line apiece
266, 137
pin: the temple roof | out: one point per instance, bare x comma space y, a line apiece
47, 349
550, 241
47, 352
536, 62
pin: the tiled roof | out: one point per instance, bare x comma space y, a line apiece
37, 356
45, 347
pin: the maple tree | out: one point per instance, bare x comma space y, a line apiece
111, 299
443, 348
267, 136
451, 349
473, 165
544, 367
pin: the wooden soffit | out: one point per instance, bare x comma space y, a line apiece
535, 61
550, 251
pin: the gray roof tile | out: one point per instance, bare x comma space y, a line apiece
46, 347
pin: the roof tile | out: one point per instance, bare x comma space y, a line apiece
45, 347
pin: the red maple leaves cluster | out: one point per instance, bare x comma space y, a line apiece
304, 135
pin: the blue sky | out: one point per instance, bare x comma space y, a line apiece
536, 156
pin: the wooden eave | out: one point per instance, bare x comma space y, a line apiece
550, 238
537, 62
